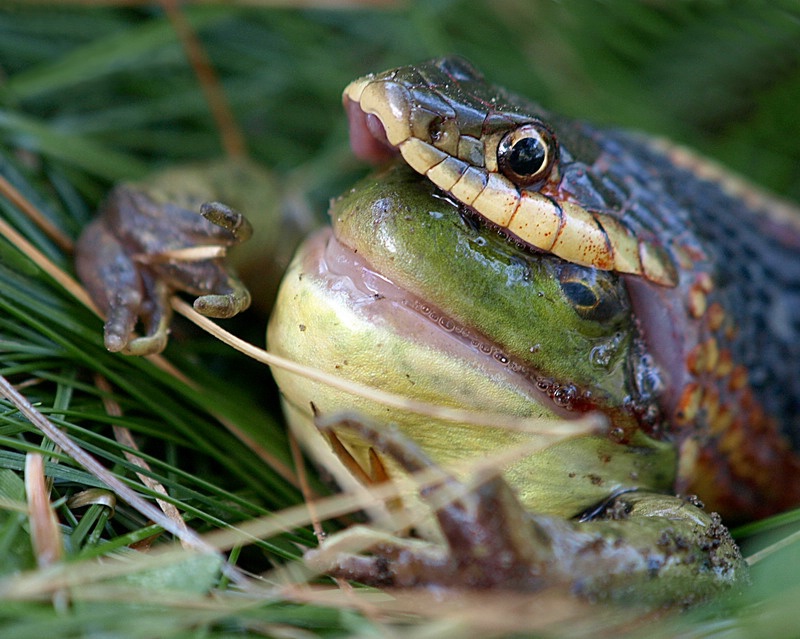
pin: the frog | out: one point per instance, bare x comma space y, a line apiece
662, 300
523, 335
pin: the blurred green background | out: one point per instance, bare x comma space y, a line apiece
94, 93
723, 77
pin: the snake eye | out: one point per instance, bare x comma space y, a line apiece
527, 154
595, 295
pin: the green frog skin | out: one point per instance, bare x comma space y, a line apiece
511, 332
529, 266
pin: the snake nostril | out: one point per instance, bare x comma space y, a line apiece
435, 129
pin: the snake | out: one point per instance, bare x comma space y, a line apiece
711, 263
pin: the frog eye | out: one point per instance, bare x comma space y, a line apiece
595, 295
527, 154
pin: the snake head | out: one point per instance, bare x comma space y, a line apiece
499, 155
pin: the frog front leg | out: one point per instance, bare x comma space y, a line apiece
139, 250
638, 546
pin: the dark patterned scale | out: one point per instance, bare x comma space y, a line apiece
753, 261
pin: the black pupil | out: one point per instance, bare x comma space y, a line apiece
527, 156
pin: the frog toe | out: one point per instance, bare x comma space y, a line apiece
112, 280
228, 219
146, 345
155, 314
120, 322
378, 558
225, 305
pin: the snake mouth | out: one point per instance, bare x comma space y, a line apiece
460, 148
367, 134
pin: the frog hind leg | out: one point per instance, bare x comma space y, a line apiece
484, 528
647, 547
640, 546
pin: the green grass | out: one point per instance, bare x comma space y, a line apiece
93, 95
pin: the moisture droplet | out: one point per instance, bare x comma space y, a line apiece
500, 357
648, 378
601, 355
564, 396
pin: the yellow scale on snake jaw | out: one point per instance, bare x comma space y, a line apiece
468, 169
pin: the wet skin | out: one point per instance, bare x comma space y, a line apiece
513, 332
710, 263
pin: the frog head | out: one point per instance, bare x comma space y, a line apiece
408, 295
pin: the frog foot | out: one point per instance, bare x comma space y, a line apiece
140, 250
636, 547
